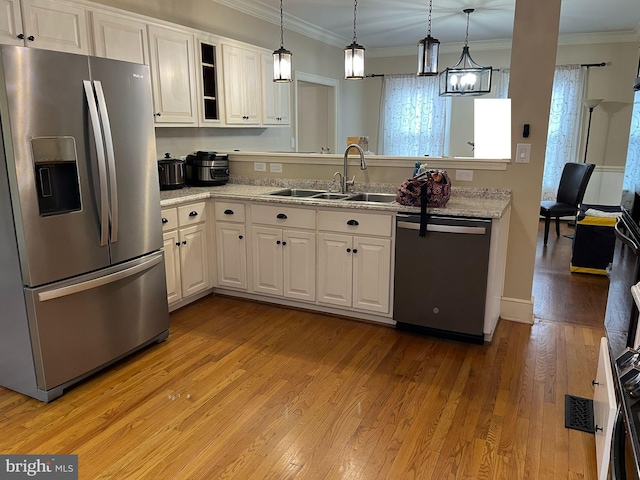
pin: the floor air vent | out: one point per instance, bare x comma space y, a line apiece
578, 413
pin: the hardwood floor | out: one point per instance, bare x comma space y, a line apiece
562, 296
244, 390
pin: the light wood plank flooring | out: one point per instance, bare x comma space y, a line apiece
243, 390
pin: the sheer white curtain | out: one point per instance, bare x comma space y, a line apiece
501, 80
563, 135
631, 181
414, 118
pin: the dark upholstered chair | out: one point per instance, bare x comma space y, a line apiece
573, 183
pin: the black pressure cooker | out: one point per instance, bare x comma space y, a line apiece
171, 172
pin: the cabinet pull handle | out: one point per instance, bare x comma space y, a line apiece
281, 216
184, 242
240, 237
284, 243
355, 250
598, 429
193, 214
157, 114
594, 383
164, 220
278, 242
228, 212
353, 223
178, 244
348, 250
31, 38
21, 36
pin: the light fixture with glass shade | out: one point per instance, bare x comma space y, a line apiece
281, 57
428, 51
354, 54
466, 77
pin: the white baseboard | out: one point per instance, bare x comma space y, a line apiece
516, 310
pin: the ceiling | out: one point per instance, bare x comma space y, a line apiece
401, 23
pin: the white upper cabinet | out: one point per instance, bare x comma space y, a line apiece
173, 76
119, 38
241, 68
54, 25
11, 23
275, 96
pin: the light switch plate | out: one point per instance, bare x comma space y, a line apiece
275, 167
293, 142
523, 152
259, 167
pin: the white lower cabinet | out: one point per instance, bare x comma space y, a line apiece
284, 262
354, 272
604, 410
172, 265
185, 250
194, 270
354, 260
231, 253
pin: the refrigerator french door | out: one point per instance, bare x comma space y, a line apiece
80, 177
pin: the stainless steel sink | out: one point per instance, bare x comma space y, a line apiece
372, 197
331, 196
297, 192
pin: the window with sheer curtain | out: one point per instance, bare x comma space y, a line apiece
414, 118
563, 135
632, 169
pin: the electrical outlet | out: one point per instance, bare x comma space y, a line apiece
523, 152
464, 175
275, 167
293, 142
259, 167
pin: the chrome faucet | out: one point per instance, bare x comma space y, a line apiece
345, 184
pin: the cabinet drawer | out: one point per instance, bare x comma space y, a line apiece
169, 219
190, 214
351, 221
230, 211
283, 216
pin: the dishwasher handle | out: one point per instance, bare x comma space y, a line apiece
444, 228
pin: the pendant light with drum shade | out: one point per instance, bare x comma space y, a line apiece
428, 51
466, 77
354, 54
282, 57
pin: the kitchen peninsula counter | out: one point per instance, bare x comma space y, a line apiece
465, 201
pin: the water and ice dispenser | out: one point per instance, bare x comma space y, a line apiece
56, 175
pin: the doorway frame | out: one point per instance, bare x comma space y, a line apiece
333, 119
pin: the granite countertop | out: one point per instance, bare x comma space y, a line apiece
464, 202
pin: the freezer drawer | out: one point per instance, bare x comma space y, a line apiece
79, 326
441, 279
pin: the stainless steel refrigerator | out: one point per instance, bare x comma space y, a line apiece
82, 278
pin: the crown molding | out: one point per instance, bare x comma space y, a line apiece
505, 44
268, 14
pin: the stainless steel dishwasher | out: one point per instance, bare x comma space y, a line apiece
441, 278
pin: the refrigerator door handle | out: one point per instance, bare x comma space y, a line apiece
111, 159
98, 282
102, 167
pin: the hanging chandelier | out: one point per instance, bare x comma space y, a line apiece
466, 77
354, 54
428, 51
281, 57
